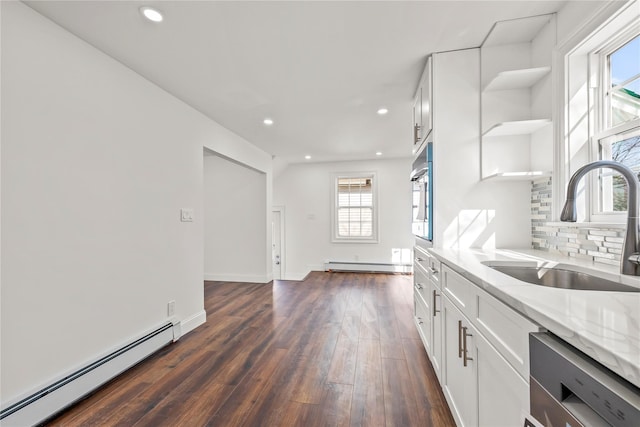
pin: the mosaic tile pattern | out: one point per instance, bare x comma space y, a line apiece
598, 244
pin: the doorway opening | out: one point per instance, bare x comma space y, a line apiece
277, 243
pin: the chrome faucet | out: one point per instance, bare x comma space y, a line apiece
630, 258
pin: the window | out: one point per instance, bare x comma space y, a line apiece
622, 90
354, 212
598, 109
618, 136
623, 147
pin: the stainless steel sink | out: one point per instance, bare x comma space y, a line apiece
558, 276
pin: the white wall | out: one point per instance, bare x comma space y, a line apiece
574, 14
234, 207
469, 212
305, 190
96, 164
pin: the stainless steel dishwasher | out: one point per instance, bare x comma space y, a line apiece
569, 389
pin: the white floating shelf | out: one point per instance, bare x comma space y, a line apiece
522, 127
518, 176
517, 79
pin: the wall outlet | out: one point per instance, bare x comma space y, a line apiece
186, 215
171, 308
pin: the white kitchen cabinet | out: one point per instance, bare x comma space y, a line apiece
503, 395
422, 310
426, 279
517, 136
417, 120
482, 388
423, 107
479, 346
426, 83
436, 316
459, 381
500, 325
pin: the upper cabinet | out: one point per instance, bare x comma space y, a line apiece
423, 106
515, 68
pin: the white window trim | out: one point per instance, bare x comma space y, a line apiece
596, 214
604, 16
335, 238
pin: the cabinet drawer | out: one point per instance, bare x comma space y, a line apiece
421, 257
434, 267
422, 320
420, 282
506, 330
460, 291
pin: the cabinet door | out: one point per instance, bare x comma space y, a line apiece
503, 395
437, 330
458, 381
417, 118
422, 319
426, 107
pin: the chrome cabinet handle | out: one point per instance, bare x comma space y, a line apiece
466, 358
433, 270
420, 259
420, 322
418, 286
459, 338
434, 303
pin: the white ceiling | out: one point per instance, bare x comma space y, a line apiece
320, 69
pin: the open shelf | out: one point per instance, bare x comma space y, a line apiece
517, 79
518, 176
522, 127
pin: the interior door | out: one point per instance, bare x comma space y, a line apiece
276, 249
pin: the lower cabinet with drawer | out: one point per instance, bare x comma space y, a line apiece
428, 305
482, 354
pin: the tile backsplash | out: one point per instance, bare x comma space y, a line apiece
602, 245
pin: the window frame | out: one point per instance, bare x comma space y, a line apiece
601, 103
335, 236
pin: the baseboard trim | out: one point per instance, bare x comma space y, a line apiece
193, 322
369, 267
296, 277
245, 278
46, 401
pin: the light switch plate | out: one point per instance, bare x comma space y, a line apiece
186, 215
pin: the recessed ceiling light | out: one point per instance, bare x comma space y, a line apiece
307, 157
378, 153
151, 14
383, 111
267, 122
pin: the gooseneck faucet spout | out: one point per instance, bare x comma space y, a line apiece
630, 258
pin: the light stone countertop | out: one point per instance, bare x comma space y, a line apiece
604, 325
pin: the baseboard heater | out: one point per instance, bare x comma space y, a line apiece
366, 267
50, 400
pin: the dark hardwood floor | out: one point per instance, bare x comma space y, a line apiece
339, 349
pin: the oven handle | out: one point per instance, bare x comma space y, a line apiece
416, 174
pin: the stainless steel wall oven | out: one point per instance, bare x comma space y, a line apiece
422, 181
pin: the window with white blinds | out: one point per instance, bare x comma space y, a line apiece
355, 208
